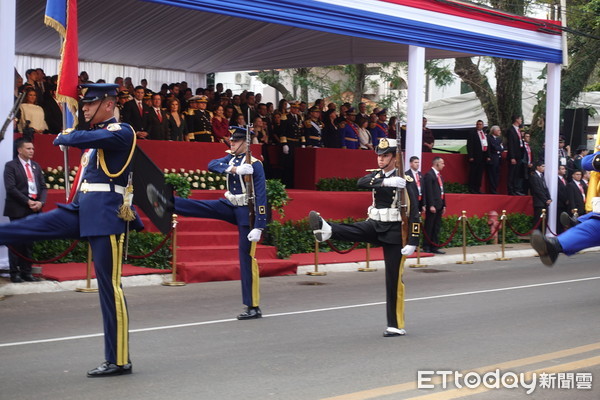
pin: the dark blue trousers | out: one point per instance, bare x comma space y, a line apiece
221, 210
582, 236
107, 252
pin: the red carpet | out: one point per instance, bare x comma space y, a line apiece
356, 255
76, 271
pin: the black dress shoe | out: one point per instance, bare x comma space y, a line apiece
250, 313
567, 221
547, 247
29, 278
110, 369
16, 279
436, 251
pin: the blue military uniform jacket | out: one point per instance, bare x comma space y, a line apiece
349, 136
237, 186
379, 130
98, 210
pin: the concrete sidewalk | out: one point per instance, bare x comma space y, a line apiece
474, 253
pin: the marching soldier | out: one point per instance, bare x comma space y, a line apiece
313, 128
99, 211
383, 227
584, 230
234, 209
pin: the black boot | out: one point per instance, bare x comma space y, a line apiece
250, 313
567, 221
110, 369
547, 247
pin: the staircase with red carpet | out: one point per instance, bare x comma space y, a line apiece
207, 250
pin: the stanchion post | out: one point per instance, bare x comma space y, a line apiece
503, 227
174, 281
463, 219
543, 221
316, 271
367, 267
418, 264
88, 278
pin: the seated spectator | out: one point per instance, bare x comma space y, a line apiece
277, 128
177, 126
260, 131
282, 107
31, 116
392, 134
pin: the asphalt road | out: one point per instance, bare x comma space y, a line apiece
321, 337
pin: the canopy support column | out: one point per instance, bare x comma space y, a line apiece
552, 127
416, 97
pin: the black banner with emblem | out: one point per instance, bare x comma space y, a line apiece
151, 193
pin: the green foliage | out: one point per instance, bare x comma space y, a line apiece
277, 196
140, 243
454, 187
294, 237
338, 185
442, 75
180, 184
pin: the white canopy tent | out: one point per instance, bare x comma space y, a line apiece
227, 35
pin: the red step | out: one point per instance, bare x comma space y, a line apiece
185, 239
193, 272
215, 253
189, 224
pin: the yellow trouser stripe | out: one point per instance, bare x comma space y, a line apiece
120, 307
255, 277
400, 296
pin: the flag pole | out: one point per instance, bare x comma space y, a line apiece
65, 110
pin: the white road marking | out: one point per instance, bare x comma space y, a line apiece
219, 321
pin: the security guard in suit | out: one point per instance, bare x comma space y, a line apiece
234, 209
383, 227
100, 212
581, 236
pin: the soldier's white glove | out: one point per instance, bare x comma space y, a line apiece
408, 250
394, 181
244, 169
286, 149
254, 235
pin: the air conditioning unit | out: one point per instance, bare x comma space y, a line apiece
238, 78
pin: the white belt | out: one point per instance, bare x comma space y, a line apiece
101, 187
384, 214
237, 199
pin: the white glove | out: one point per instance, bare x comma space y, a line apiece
286, 149
244, 169
394, 181
408, 250
254, 235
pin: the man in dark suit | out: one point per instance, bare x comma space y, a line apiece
435, 204
25, 195
562, 201
515, 157
157, 123
576, 192
417, 180
478, 155
136, 113
495, 149
539, 192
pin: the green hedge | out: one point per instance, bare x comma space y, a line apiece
139, 243
350, 185
292, 237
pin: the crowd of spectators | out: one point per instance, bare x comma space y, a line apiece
177, 112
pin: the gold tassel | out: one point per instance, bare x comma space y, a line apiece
126, 213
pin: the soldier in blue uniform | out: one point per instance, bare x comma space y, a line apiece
379, 129
383, 227
99, 212
234, 209
582, 235
349, 133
